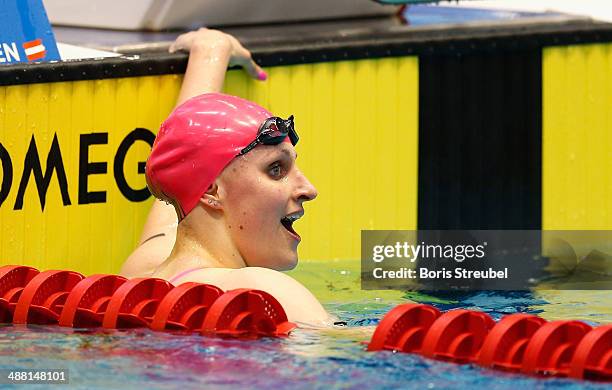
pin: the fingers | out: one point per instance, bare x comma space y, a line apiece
183, 41
254, 70
203, 37
214, 38
242, 56
246, 61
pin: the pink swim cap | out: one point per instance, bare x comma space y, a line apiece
196, 142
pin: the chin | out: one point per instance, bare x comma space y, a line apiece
286, 264
288, 267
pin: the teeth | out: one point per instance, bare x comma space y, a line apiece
293, 217
287, 221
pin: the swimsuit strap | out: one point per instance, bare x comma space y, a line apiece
181, 274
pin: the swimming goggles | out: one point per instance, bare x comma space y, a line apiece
272, 132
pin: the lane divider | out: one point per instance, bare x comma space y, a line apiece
69, 299
12, 282
521, 343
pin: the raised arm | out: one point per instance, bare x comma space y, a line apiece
210, 54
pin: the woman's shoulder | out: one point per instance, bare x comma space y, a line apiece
299, 303
252, 274
247, 277
261, 274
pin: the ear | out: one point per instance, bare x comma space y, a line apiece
211, 197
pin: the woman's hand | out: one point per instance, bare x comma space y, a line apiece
217, 43
210, 53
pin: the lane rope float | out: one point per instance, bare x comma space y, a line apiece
520, 343
69, 299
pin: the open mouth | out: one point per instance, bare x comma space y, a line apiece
287, 222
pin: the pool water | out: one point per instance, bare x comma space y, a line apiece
306, 359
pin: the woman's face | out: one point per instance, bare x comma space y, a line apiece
262, 193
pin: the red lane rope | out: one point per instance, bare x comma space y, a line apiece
68, 299
517, 343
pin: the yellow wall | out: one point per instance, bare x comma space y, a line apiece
358, 126
85, 237
577, 139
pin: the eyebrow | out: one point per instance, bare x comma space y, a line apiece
288, 153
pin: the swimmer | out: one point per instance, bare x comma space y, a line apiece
227, 169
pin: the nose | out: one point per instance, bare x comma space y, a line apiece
305, 191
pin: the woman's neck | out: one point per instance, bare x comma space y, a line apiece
206, 244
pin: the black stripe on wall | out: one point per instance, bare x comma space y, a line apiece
480, 136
